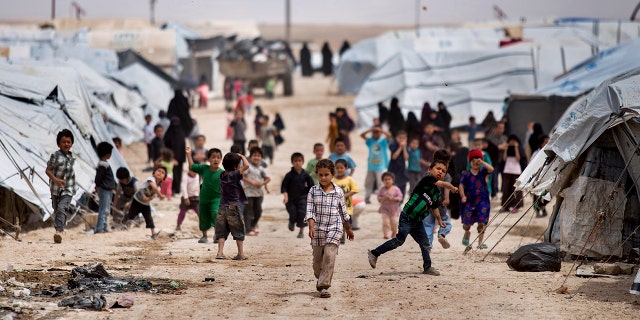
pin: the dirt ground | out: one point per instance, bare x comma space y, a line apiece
277, 282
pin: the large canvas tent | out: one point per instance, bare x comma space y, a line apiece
591, 166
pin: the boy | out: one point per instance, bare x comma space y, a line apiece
413, 164
231, 197
340, 148
157, 143
141, 203
254, 180
127, 187
425, 196
398, 162
318, 151
105, 184
294, 188
429, 222
253, 143
62, 180
199, 152
209, 189
267, 136
327, 216
378, 159
148, 136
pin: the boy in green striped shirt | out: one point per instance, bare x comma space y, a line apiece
425, 199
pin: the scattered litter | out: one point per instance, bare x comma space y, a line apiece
124, 301
209, 279
362, 276
95, 301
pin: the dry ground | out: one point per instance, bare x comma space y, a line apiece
277, 282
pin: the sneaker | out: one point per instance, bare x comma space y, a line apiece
57, 238
155, 236
443, 241
203, 240
300, 235
372, 259
431, 271
291, 226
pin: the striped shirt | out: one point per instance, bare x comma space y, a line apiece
328, 210
424, 197
62, 168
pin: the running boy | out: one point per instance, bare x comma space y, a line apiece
318, 151
127, 187
209, 189
424, 198
105, 184
142, 199
327, 216
294, 188
231, 198
62, 180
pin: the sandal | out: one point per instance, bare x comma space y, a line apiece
482, 246
465, 241
221, 258
325, 293
239, 258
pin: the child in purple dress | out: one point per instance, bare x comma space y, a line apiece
474, 197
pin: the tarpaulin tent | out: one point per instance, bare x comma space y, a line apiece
591, 166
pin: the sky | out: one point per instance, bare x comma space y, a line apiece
381, 12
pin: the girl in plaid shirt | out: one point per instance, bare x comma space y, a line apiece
328, 219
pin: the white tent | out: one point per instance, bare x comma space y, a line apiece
468, 82
591, 166
591, 72
154, 89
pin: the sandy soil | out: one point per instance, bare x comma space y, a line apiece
277, 280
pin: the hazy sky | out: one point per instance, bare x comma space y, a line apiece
323, 11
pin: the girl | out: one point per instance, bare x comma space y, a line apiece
474, 197
190, 196
142, 198
389, 197
167, 161
327, 217
349, 188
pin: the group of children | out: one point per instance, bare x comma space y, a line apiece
230, 199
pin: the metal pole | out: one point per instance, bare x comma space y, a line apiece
53, 10
152, 12
287, 23
417, 17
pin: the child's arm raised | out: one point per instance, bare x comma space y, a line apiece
245, 164
187, 150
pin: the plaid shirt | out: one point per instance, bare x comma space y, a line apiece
62, 168
328, 210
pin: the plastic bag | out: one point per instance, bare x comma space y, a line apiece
536, 257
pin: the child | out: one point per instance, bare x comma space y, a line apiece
474, 197
294, 188
209, 189
199, 152
398, 161
413, 167
231, 197
254, 179
327, 216
389, 197
429, 222
117, 142
332, 133
239, 126
142, 199
341, 153
349, 188
157, 143
148, 136
166, 160
105, 184
253, 143
127, 187
424, 196
270, 87
62, 180
378, 159
267, 136
190, 196
482, 144
318, 151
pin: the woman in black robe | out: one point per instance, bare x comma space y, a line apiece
179, 107
396, 119
383, 114
174, 139
327, 60
305, 61
412, 126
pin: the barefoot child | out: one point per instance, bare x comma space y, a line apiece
231, 198
294, 188
62, 180
142, 199
327, 216
349, 188
424, 198
389, 197
209, 189
474, 197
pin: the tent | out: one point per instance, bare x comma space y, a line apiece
468, 82
591, 72
591, 166
546, 111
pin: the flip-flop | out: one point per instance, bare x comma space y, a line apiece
239, 258
482, 246
325, 294
221, 258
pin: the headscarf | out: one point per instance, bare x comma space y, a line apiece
396, 119
179, 107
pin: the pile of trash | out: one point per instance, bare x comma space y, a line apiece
257, 50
